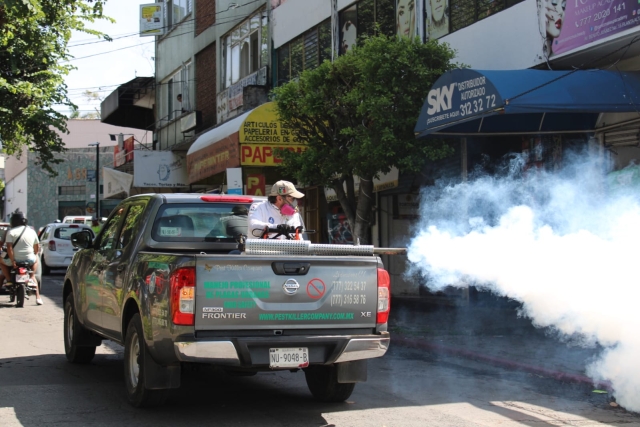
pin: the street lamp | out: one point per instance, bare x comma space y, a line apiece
97, 145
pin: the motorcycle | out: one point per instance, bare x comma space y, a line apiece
22, 285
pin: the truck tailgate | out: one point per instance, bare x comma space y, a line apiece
276, 292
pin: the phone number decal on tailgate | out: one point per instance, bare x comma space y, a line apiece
306, 316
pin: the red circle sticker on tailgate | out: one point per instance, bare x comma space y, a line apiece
316, 288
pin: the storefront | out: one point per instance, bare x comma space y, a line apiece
535, 112
250, 142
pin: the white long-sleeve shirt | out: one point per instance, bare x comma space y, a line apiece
264, 214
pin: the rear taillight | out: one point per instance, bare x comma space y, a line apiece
384, 296
22, 270
52, 245
183, 291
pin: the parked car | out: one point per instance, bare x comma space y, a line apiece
56, 249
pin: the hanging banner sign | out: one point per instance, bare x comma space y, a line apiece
159, 169
152, 19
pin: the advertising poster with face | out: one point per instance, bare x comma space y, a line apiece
568, 25
348, 29
406, 18
437, 24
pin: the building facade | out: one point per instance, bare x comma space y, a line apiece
217, 61
44, 198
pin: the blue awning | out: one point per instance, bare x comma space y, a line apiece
466, 102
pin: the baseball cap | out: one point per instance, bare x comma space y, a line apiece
285, 188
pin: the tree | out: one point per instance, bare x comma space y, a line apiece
357, 115
33, 54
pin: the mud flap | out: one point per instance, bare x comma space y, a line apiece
158, 377
86, 338
352, 372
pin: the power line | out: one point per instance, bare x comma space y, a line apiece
153, 41
169, 26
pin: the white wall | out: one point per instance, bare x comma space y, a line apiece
294, 17
508, 40
174, 49
83, 132
15, 194
14, 166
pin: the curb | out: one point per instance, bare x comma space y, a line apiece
496, 361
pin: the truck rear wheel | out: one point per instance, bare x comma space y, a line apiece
322, 381
134, 355
72, 330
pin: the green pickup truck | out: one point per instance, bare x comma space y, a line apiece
171, 282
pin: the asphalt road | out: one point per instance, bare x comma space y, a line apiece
405, 388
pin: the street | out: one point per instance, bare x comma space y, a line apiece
406, 387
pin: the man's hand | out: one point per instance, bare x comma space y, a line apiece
283, 228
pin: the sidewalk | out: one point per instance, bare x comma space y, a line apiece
488, 331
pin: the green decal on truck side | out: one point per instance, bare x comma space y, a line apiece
305, 316
239, 304
238, 285
237, 294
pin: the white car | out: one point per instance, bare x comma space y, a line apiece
56, 250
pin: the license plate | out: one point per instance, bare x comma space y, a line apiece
22, 278
288, 357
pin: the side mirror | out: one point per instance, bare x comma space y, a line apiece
81, 239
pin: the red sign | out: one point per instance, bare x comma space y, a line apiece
264, 155
128, 148
256, 185
316, 288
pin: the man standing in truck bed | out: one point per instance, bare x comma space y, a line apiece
279, 208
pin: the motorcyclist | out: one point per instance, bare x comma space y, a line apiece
26, 248
281, 207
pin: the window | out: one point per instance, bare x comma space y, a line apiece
64, 233
108, 237
459, 14
208, 222
72, 190
176, 11
176, 92
245, 49
130, 227
305, 52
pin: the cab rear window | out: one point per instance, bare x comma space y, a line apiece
64, 233
200, 222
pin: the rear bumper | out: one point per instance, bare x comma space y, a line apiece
254, 352
54, 259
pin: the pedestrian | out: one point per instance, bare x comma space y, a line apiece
22, 246
281, 207
95, 225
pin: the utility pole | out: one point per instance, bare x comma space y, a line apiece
97, 145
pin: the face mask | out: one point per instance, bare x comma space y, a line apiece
288, 209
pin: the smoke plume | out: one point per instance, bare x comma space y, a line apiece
565, 244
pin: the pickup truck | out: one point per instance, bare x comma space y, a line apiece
166, 280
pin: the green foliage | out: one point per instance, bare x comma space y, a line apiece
33, 54
357, 116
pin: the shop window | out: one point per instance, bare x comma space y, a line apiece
245, 49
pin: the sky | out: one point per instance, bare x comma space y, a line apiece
98, 68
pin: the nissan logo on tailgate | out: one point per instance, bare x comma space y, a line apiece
290, 287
